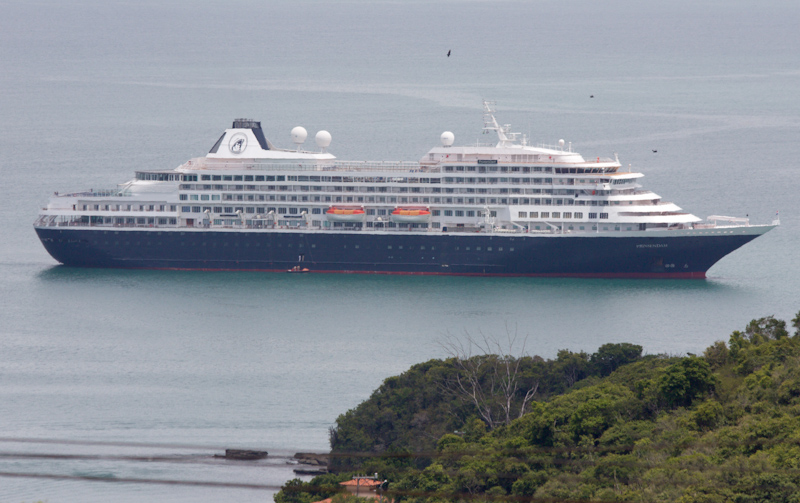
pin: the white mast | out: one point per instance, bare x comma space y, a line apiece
505, 138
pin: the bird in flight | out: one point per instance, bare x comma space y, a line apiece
654, 151
448, 53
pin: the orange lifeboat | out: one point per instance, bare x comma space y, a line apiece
411, 215
343, 214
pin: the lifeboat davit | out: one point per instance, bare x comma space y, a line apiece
411, 215
342, 214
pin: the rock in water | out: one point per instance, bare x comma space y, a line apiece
244, 455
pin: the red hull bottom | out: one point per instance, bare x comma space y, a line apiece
652, 275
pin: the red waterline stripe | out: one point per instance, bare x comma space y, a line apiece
600, 275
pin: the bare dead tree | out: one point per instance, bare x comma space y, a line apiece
489, 376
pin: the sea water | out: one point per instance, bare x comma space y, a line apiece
178, 366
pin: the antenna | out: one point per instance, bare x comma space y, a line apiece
447, 139
504, 135
299, 135
323, 139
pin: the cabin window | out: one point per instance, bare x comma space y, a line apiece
556, 214
603, 215
545, 214
523, 214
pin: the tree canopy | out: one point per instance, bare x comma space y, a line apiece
611, 426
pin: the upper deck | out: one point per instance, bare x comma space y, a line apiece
510, 186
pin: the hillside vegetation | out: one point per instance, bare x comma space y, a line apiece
611, 426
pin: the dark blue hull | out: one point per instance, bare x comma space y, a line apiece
361, 252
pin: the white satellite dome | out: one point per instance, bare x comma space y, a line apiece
323, 139
299, 135
447, 139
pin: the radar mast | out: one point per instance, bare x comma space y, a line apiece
504, 136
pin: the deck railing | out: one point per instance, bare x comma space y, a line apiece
95, 193
359, 166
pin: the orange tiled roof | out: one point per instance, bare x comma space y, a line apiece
361, 482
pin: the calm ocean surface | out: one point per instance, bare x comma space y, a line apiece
190, 363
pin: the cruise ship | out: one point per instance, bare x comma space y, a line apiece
501, 209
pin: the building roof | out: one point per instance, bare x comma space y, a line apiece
361, 482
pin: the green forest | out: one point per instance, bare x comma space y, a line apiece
614, 425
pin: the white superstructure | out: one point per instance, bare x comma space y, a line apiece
245, 182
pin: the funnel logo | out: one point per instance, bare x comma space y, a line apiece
238, 143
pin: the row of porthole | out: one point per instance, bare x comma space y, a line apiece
389, 247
